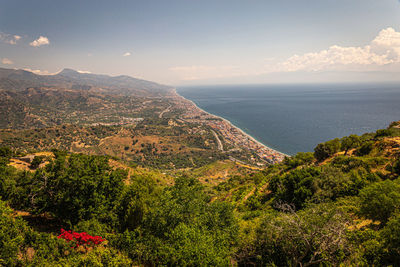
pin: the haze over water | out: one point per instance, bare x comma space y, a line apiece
295, 118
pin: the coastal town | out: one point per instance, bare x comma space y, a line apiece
231, 134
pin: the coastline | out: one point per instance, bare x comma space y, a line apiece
232, 125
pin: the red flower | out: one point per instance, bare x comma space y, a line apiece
81, 239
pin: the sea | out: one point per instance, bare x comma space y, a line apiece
295, 118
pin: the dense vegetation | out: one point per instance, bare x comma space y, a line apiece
338, 205
149, 143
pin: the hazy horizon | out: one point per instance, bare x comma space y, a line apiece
208, 42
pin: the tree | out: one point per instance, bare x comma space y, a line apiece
396, 167
5, 155
296, 187
183, 228
6, 152
383, 132
365, 148
391, 237
333, 184
301, 158
136, 201
37, 160
11, 236
313, 236
380, 200
325, 150
349, 142
79, 188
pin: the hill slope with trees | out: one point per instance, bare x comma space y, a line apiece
337, 206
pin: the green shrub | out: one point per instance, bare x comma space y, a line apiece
296, 187
314, 236
380, 200
349, 142
183, 228
383, 133
301, 158
11, 236
365, 148
6, 152
396, 167
78, 188
136, 201
37, 160
391, 238
325, 150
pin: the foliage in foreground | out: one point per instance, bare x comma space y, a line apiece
339, 205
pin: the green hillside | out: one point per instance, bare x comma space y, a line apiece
337, 206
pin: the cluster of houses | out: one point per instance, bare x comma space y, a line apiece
231, 134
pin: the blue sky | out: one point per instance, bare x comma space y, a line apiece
205, 42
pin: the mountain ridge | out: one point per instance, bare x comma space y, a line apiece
18, 80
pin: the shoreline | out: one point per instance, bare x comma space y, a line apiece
232, 125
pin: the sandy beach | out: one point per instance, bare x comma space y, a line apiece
260, 148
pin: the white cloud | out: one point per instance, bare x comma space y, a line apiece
14, 39
84, 71
381, 55
383, 51
7, 61
127, 54
9, 38
40, 41
39, 72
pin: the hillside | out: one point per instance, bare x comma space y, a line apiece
19, 80
157, 146
337, 206
140, 176
43, 107
148, 124
28, 100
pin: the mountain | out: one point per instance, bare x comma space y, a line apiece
38, 107
28, 100
18, 80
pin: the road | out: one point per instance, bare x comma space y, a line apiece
219, 143
165, 110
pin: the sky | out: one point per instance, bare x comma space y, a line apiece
193, 42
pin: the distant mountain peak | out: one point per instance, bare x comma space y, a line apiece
19, 80
68, 71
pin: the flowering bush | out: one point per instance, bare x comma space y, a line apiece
80, 239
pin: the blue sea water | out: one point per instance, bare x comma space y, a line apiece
295, 118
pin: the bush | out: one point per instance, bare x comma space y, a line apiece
301, 158
325, 150
365, 148
295, 187
80, 188
37, 160
80, 239
314, 236
391, 237
136, 202
396, 167
100, 257
6, 152
11, 236
383, 133
349, 142
380, 200
333, 184
183, 228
